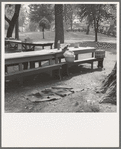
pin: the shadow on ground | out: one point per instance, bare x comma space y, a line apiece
45, 77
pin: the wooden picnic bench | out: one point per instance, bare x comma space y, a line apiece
45, 55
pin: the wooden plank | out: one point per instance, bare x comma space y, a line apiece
89, 60
50, 61
20, 66
27, 59
32, 71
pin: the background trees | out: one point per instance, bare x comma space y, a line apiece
44, 24
23, 17
69, 11
95, 13
39, 11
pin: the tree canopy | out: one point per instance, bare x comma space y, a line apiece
39, 11
95, 13
69, 12
44, 24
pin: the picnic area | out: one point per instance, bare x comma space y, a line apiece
40, 78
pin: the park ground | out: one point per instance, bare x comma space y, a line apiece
87, 81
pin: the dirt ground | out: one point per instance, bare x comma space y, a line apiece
85, 100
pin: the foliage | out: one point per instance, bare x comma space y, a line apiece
38, 11
95, 13
69, 12
44, 23
33, 26
23, 16
9, 11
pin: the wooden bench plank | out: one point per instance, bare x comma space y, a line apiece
66, 65
17, 74
88, 60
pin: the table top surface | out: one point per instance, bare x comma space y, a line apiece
28, 43
45, 52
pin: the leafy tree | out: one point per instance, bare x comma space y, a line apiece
39, 11
23, 16
94, 13
11, 16
44, 23
59, 31
69, 11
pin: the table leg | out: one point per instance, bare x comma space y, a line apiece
100, 63
33, 48
50, 61
92, 54
6, 70
25, 65
59, 60
32, 64
20, 66
8, 45
56, 73
20, 79
56, 59
40, 65
65, 71
91, 65
17, 46
76, 57
21, 48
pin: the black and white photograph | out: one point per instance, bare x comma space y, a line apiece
60, 62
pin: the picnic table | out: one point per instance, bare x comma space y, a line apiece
31, 57
31, 46
26, 46
12, 43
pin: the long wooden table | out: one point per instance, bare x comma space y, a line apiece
20, 57
26, 46
44, 55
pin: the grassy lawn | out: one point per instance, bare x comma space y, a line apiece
69, 37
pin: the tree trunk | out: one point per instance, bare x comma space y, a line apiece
65, 17
95, 28
95, 35
17, 30
12, 22
109, 87
59, 31
71, 22
43, 32
88, 26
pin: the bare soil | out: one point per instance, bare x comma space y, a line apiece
86, 100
